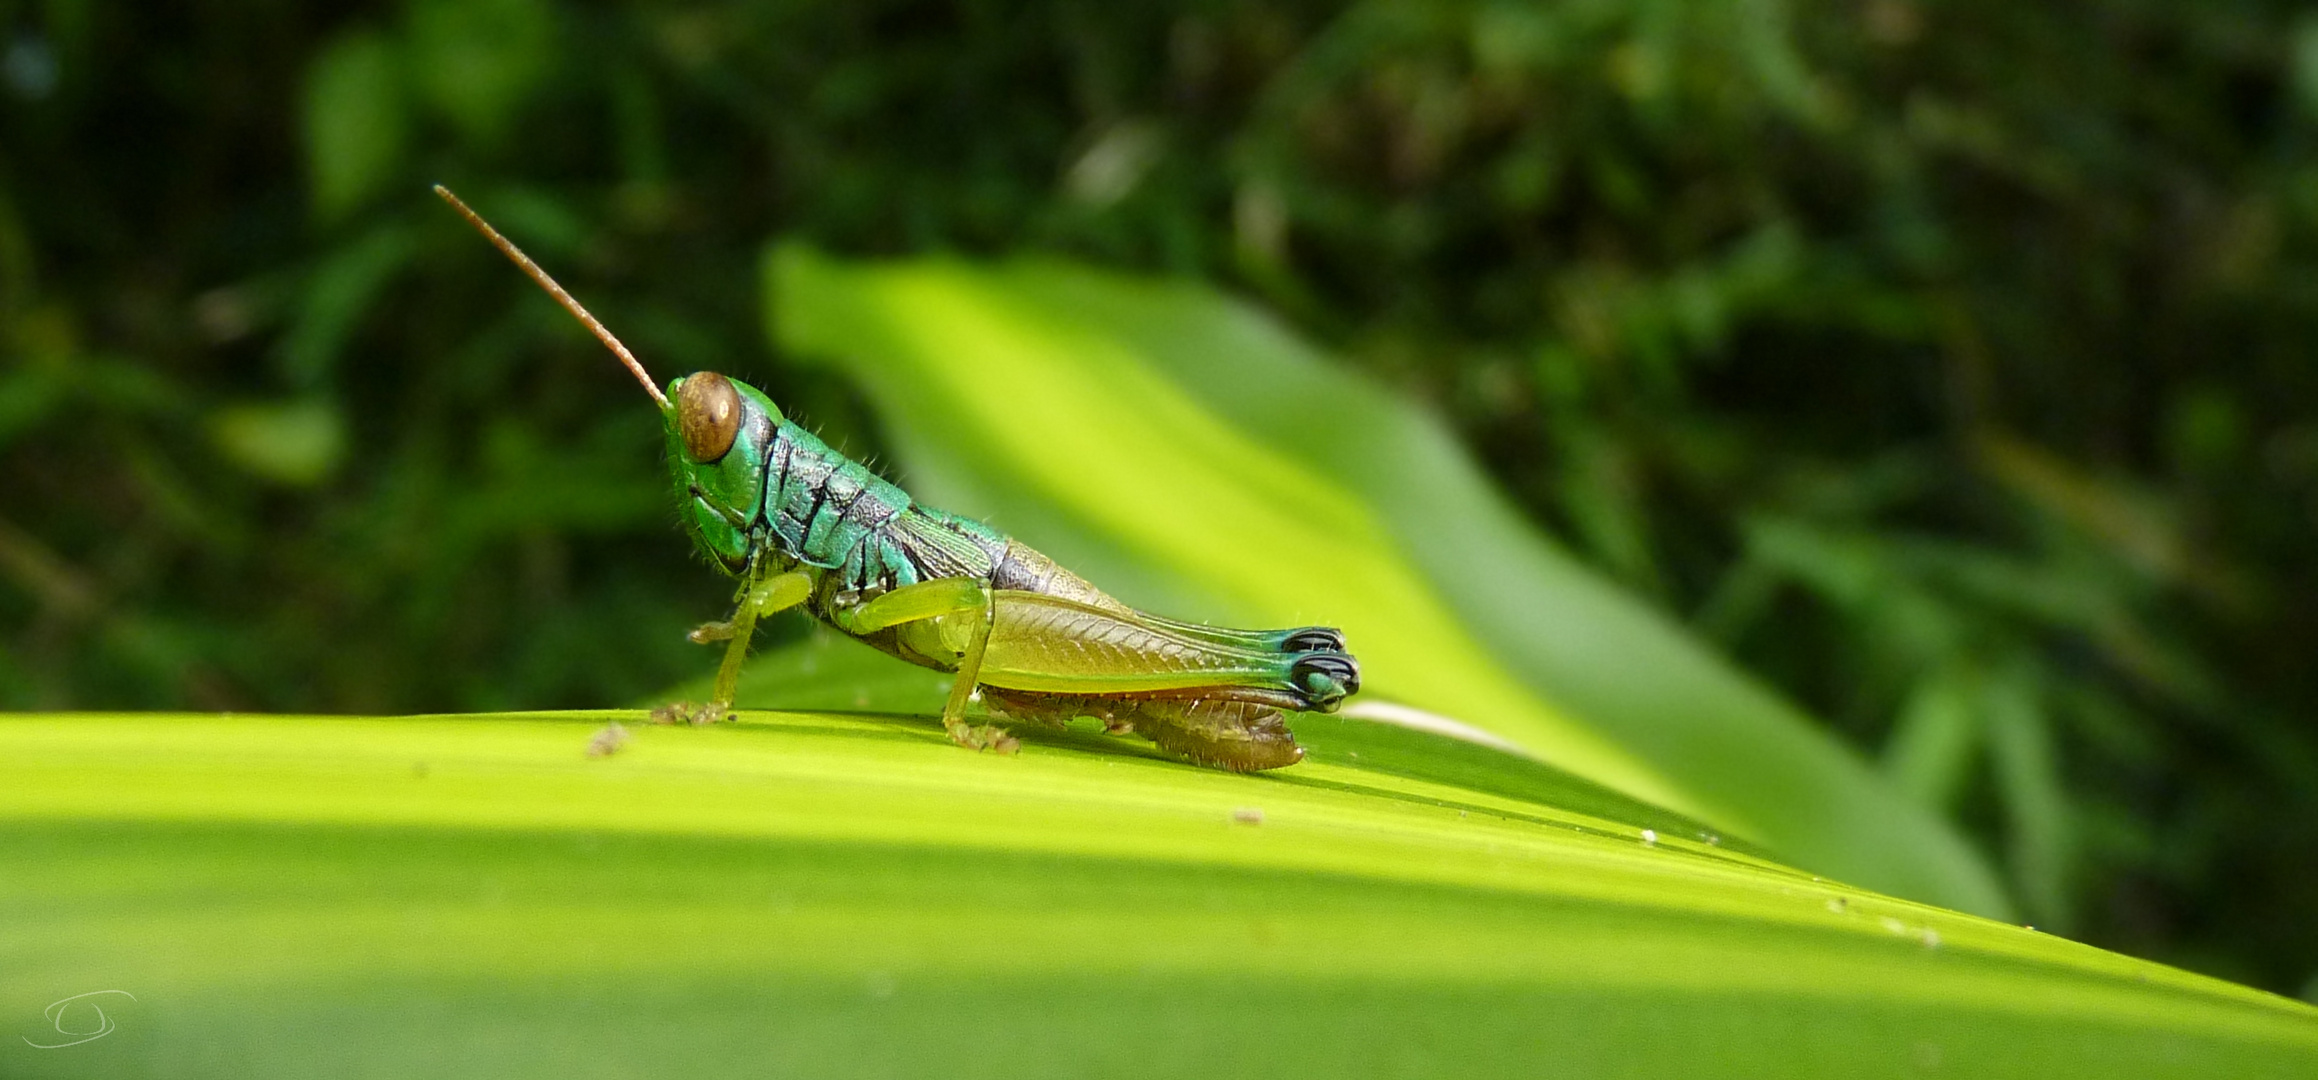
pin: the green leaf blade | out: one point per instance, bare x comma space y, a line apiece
850, 895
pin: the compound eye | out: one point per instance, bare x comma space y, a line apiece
707, 416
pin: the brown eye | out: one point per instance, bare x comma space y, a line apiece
707, 415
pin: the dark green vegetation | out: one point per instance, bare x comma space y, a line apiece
1947, 364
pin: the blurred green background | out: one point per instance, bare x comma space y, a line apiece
1944, 364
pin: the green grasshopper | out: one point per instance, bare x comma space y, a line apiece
802, 525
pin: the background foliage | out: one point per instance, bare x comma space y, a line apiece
1945, 363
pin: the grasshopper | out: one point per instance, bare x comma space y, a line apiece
801, 525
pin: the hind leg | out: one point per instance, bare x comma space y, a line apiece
1215, 702
1242, 736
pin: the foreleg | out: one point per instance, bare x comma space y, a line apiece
758, 598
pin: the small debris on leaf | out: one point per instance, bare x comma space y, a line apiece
691, 713
608, 741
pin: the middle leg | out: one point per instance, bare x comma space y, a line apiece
955, 614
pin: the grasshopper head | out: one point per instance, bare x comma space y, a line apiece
719, 431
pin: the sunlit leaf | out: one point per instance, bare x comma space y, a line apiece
840, 895
1186, 453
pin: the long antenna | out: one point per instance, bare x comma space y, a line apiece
555, 290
